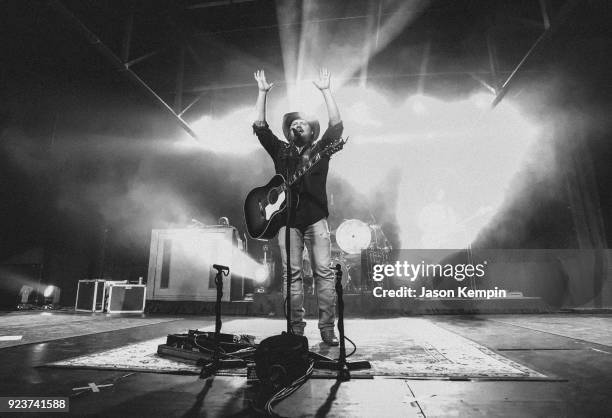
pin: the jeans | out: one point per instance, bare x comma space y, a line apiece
318, 242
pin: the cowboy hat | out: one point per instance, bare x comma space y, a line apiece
290, 117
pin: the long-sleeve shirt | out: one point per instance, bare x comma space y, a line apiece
311, 189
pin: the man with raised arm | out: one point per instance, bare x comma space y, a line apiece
308, 221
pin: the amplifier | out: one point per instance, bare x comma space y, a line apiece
181, 260
90, 296
126, 298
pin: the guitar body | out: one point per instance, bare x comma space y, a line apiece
265, 209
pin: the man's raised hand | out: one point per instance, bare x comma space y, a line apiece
262, 84
323, 81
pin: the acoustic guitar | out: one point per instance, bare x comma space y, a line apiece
264, 207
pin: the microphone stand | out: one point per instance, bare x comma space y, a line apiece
216, 362
341, 366
289, 156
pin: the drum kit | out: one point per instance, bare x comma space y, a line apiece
355, 242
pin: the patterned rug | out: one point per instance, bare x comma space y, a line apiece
36, 327
398, 347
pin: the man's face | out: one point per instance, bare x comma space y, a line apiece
305, 132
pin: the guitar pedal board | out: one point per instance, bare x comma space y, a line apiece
198, 346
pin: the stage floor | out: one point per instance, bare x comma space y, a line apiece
574, 350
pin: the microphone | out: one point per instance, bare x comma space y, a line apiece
296, 132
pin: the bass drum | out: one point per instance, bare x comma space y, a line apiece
353, 235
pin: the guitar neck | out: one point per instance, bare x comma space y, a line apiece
303, 170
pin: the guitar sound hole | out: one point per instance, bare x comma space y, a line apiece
273, 196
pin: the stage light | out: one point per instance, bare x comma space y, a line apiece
227, 133
347, 47
51, 297
262, 273
196, 249
457, 145
482, 100
48, 291
23, 301
24, 293
418, 105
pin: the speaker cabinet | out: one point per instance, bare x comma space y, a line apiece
180, 264
126, 298
90, 296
